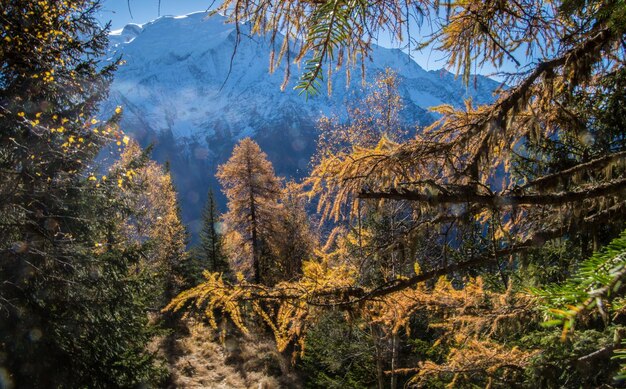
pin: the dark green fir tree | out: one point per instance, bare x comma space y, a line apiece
211, 242
72, 309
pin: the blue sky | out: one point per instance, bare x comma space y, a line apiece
146, 10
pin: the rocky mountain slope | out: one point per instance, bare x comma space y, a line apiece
192, 88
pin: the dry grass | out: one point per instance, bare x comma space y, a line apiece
203, 360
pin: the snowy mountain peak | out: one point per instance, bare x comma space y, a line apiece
186, 89
179, 76
125, 35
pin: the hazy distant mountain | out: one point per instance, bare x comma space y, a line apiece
185, 89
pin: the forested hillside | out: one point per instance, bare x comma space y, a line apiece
486, 249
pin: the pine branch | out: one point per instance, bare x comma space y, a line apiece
329, 29
518, 97
501, 200
597, 163
598, 279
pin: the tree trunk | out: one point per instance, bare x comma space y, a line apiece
253, 220
380, 371
395, 340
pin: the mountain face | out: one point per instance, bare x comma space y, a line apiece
192, 87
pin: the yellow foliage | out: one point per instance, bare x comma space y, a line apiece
287, 308
472, 356
449, 171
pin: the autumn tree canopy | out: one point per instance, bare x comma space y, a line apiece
542, 166
487, 243
252, 190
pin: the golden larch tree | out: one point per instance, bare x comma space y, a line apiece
253, 192
147, 188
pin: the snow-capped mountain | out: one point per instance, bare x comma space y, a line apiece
189, 85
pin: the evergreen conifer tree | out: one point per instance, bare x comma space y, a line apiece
73, 313
211, 241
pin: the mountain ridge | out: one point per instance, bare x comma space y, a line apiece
185, 89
